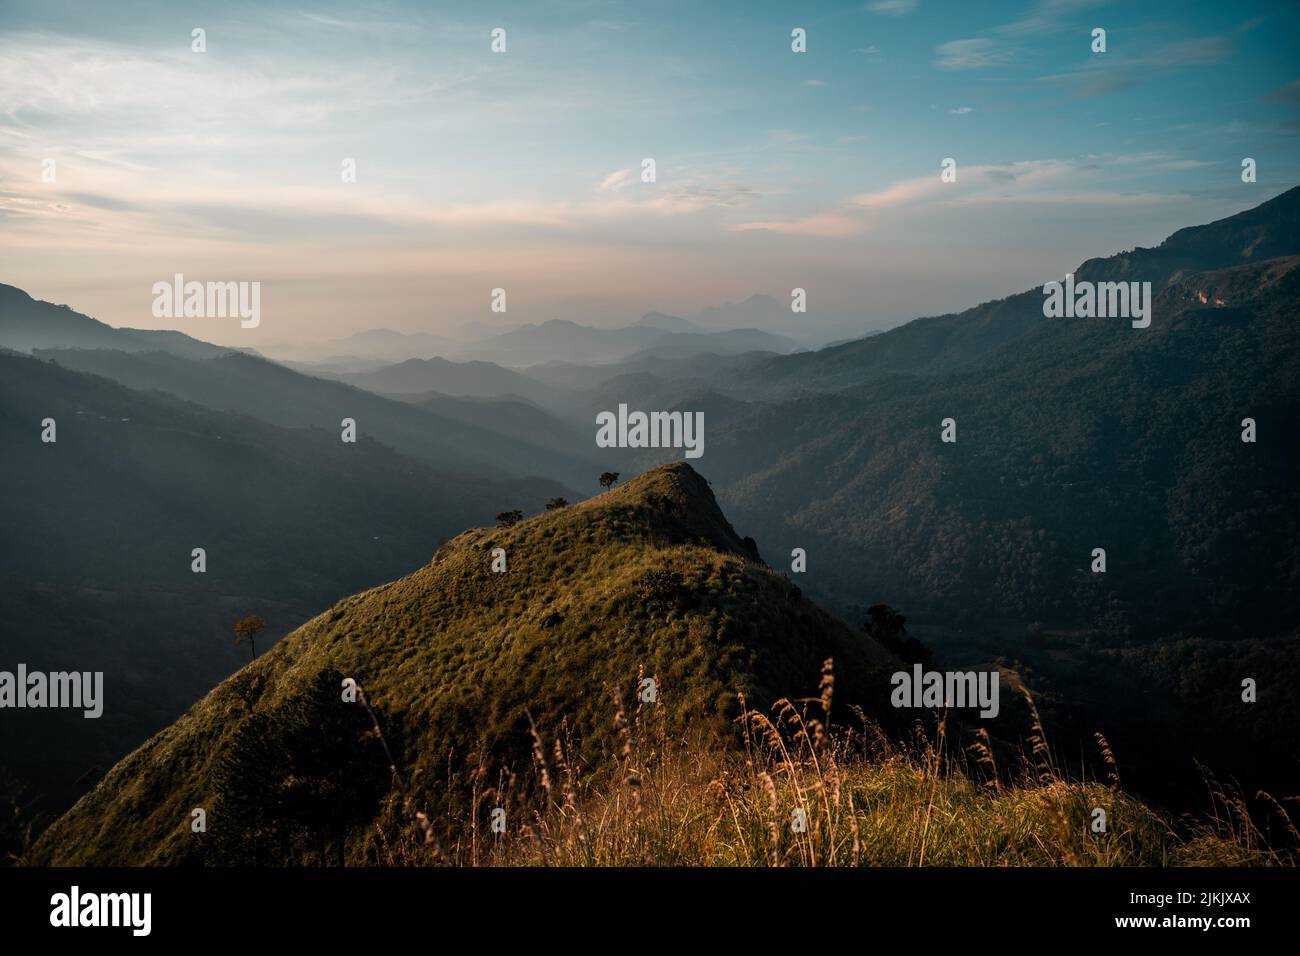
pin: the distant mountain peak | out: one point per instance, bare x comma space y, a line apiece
665, 322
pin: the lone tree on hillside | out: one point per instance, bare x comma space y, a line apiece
246, 631
609, 479
889, 628
555, 504
506, 518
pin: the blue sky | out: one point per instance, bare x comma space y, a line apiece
520, 170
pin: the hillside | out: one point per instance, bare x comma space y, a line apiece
457, 379
27, 324
1084, 434
98, 530
561, 340
251, 385
513, 418
648, 579
1072, 434
960, 341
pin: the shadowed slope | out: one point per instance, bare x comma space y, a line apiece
647, 579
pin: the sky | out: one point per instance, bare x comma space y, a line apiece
521, 169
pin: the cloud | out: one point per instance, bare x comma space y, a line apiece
962, 110
814, 83
971, 54
871, 50
698, 195
1046, 16
825, 225
1290, 93
893, 8
1109, 74
1086, 181
1199, 51
618, 179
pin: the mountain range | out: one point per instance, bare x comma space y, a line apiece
555, 340
1071, 435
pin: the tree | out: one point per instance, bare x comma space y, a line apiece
246, 631
608, 479
884, 623
555, 504
507, 518
889, 628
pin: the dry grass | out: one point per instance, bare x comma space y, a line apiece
799, 793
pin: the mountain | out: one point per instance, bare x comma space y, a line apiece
1043, 399
458, 663
516, 419
560, 340
251, 385
1084, 434
362, 348
948, 343
228, 380
666, 323
27, 324
1269, 231
1071, 435
458, 379
730, 342
758, 311
703, 367
99, 526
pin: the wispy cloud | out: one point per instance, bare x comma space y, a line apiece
1290, 93
618, 179
1101, 75
1074, 182
976, 53
893, 8
1047, 16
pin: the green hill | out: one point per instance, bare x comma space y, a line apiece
646, 581
98, 528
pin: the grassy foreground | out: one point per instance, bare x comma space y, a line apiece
866, 800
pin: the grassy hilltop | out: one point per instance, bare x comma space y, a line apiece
518, 692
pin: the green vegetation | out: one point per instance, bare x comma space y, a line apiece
524, 692
459, 663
